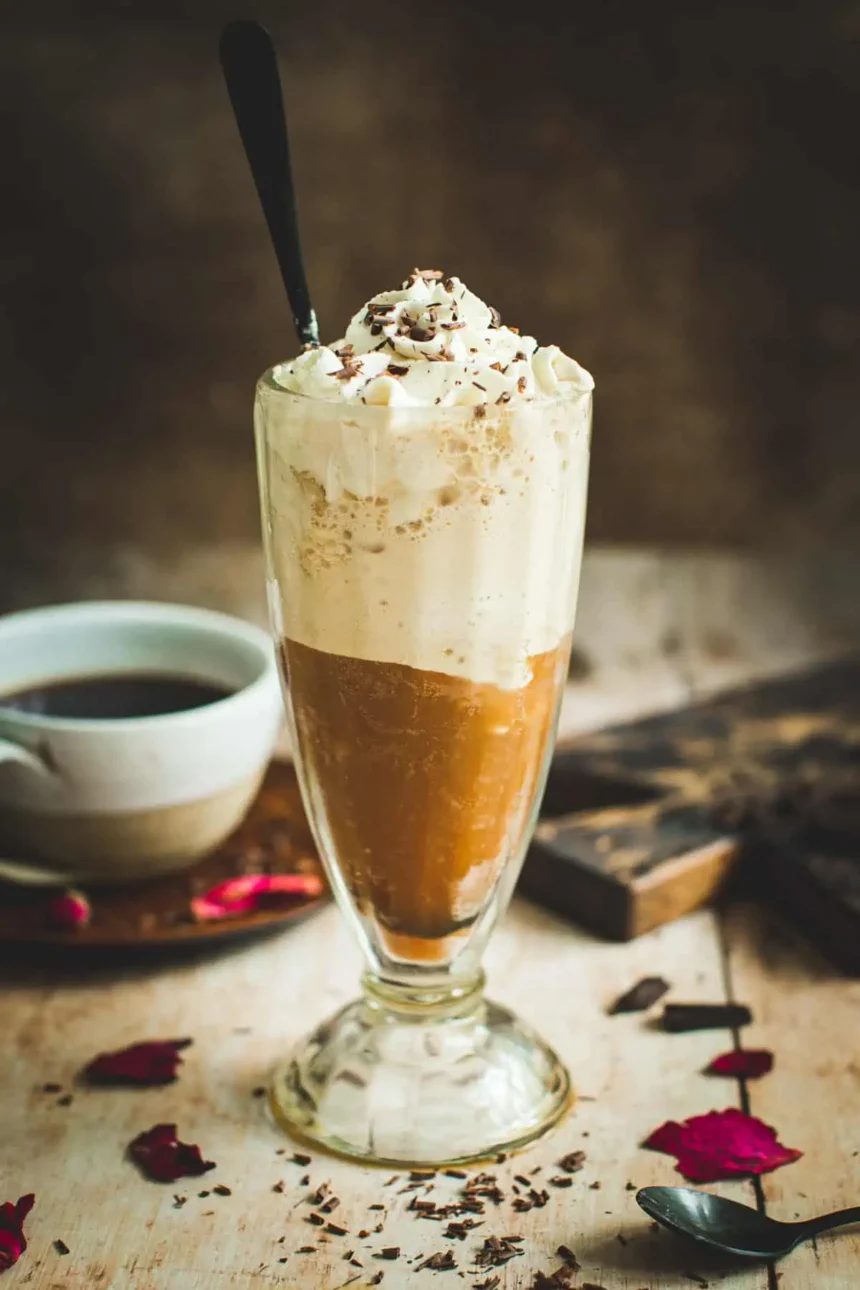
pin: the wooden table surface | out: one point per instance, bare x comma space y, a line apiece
654, 631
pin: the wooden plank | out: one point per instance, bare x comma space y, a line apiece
243, 1011
806, 1013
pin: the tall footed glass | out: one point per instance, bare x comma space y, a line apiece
423, 566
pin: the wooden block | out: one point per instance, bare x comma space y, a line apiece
646, 821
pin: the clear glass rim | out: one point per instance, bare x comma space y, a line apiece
419, 412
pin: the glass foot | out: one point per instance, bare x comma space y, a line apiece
399, 1079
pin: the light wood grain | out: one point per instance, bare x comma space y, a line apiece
646, 628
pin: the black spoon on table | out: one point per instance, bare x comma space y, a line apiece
733, 1228
250, 67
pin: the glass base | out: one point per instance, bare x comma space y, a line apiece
409, 1078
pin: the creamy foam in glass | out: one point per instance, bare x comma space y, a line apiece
423, 485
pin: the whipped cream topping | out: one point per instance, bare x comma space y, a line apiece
432, 342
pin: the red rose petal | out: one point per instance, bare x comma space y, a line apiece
13, 1243
721, 1144
748, 1063
253, 891
70, 910
163, 1158
152, 1062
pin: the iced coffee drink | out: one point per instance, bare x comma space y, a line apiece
424, 484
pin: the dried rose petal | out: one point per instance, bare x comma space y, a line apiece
70, 910
747, 1063
163, 1158
152, 1062
13, 1243
252, 891
721, 1144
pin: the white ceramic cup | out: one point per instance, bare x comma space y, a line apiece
113, 800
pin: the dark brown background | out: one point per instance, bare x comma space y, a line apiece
670, 191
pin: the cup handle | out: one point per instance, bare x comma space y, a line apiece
13, 752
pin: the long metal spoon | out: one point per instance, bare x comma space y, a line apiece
250, 67
731, 1227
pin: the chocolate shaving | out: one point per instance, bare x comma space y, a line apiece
504, 397
429, 275
348, 370
420, 334
376, 1207
484, 1185
520, 356
390, 1252
304, 1249
640, 996
452, 326
479, 387
315, 1220
495, 317
65, 1100
560, 1181
439, 1263
489, 1284
497, 1251
279, 1187
375, 1280
52, 1088
680, 1017
450, 285
335, 1230
459, 1230
572, 1162
220, 1190
534, 1200
455, 1173
522, 1180
61, 1247
521, 384
397, 369
299, 1159
566, 1253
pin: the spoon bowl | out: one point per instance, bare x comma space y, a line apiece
731, 1227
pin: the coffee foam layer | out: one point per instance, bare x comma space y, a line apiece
440, 540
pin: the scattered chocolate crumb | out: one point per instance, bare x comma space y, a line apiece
330, 1205
504, 397
698, 1278
207, 1213
455, 1173
459, 1230
61, 1247
349, 370
52, 1088
375, 1280
629, 1186
280, 1151
202, 1194
363, 1234
319, 1196
421, 1175
521, 1178
65, 1100
349, 1254
566, 1253
299, 1159
179, 1201
279, 1187
439, 1263
560, 1180
484, 1185
478, 386
489, 1284
397, 369
315, 1219
390, 1252
335, 1230
376, 329
379, 1227
621, 1238
376, 1207
259, 1091
220, 1190
534, 1200
393, 1179
495, 367
356, 1263
572, 1162
501, 1157
304, 1180
595, 1186
304, 1249
520, 356
498, 1250
640, 996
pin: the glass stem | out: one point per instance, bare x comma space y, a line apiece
443, 999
